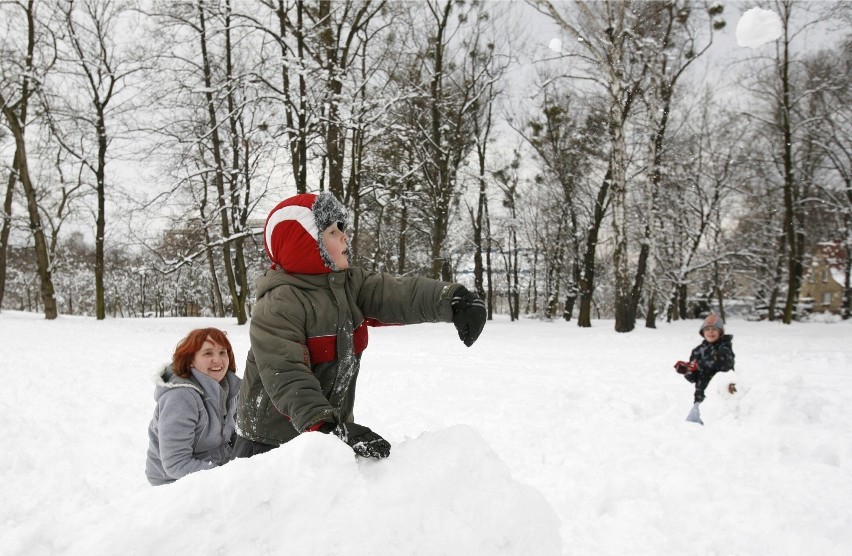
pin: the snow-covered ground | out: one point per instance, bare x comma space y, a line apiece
543, 438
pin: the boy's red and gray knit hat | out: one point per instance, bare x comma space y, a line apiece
712, 321
293, 231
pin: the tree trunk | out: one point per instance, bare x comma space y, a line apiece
478, 270
99, 71
792, 213
352, 198
847, 286
586, 284
439, 155
568, 310
515, 294
618, 165
100, 224
295, 109
554, 274
478, 219
48, 295
334, 139
681, 301
218, 305
489, 295
17, 124
403, 229
623, 322
238, 209
720, 294
6, 228
651, 317
238, 307
773, 296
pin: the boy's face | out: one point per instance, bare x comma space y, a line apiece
712, 334
336, 242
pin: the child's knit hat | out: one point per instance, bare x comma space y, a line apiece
712, 321
293, 231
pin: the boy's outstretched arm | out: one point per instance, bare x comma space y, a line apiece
413, 299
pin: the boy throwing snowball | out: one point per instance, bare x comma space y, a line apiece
309, 328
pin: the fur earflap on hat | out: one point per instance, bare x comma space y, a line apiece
328, 210
292, 235
712, 321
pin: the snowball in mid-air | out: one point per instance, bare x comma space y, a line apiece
555, 45
758, 27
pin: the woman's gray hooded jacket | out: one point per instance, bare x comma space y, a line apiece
193, 424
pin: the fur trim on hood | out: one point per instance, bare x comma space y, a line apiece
165, 378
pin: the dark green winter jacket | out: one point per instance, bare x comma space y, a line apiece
307, 334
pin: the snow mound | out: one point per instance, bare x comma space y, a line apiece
445, 492
757, 27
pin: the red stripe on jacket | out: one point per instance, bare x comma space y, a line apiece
323, 349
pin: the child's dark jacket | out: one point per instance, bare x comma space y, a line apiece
717, 357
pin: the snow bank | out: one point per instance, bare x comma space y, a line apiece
445, 492
757, 27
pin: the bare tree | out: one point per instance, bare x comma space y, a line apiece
696, 194
23, 74
604, 33
439, 102
777, 87
508, 180
567, 138
829, 107
91, 62
484, 67
219, 132
340, 25
673, 36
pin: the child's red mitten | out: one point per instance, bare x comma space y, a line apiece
682, 367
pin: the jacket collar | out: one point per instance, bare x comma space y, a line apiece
198, 381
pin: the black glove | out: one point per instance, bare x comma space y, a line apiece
469, 315
361, 439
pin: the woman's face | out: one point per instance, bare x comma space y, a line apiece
212, 360
336, 242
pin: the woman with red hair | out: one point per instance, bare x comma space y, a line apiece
193, 427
